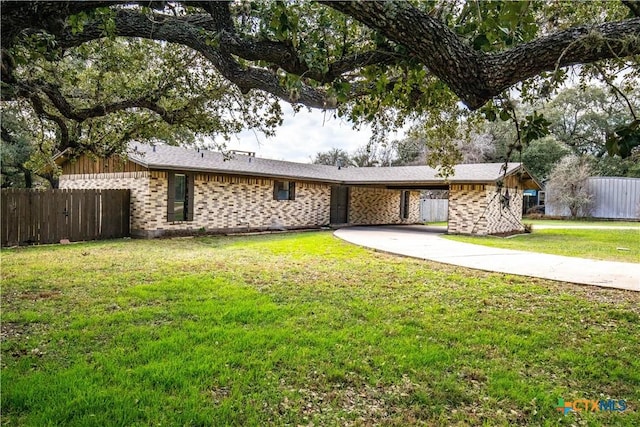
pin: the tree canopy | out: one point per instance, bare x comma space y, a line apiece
568, 188
93, 74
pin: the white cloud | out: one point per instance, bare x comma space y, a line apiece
302, 135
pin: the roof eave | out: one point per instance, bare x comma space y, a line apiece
242, 173
522, 168
61, 157
139, 162
425, 182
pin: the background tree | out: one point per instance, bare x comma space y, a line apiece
375, 154
369, 155
463, 145
541, 156
14, 153
104, 93
333, 157
615, 166
580, 121
412, 149
567, 186
582, 118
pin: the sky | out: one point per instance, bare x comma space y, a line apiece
302, 135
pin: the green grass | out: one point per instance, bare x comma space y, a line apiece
570, 223
295, 329
613, 245
581, 222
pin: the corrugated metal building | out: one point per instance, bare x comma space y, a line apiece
614, 197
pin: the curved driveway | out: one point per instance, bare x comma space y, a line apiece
426, 242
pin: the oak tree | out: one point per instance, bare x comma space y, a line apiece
101, 72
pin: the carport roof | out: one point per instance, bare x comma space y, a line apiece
167, 157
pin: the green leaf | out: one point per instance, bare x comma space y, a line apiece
481, 42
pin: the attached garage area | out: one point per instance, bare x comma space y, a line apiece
360, 205
475, 206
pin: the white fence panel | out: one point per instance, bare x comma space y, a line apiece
615, 198
434, 210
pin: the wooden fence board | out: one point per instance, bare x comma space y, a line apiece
89, 213
9, 236
107, 224
40, 217
22, 211
47, 224
125, 216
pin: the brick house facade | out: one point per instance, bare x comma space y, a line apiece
181, 191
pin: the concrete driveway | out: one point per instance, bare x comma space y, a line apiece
426, 242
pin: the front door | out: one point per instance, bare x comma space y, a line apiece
339, 204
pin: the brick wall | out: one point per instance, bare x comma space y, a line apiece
381, 206
220, 202
243, 203
225, 202
501, 219
477, 209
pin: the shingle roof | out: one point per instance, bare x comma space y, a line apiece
178, 158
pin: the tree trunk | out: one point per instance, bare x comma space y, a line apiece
28, 179
54, 181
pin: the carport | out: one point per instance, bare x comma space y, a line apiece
484, 198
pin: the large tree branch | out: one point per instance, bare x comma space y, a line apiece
45, 15
80, 115
577, 45
477, 77
219, 46
34, 90
440, 49
131, 23
474, 76
38, 107
282, 54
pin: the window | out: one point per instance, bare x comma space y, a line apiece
180, 205
404, 204
284, 190
180, 197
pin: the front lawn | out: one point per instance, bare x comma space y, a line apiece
301, 329
581, 222
610, 244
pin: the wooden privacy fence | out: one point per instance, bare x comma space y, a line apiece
39, 217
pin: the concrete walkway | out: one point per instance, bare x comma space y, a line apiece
426, 242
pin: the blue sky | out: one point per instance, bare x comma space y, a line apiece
302, 135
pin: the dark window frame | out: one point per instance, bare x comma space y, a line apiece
187, 198
284, 190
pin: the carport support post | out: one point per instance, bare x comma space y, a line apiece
478, 209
